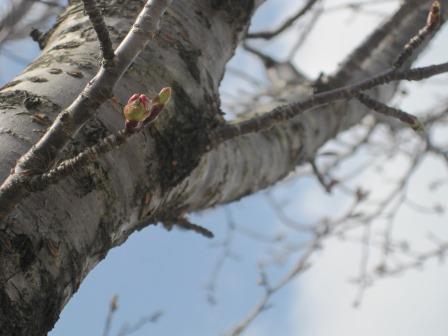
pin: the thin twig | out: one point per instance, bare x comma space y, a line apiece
328, 186
388, 111
432, 23
113, 306
285, 25
127, 329
305, 34
269, 290
100, 28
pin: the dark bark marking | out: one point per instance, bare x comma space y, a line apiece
75, 74
55, 71
67, 45
24, 247
236, 10
183, 141
204, 19
32, 102
190, 58
37, 79
10, 317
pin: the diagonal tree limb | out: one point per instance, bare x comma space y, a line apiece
291, 143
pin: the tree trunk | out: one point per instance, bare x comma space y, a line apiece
55, 237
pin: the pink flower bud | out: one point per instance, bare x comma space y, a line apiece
137, 108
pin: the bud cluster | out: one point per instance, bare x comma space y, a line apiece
141, 111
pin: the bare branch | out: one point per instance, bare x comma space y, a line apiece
269, 290
383, 109
328, 186
127, 329
110, 315
287, 112
432, 23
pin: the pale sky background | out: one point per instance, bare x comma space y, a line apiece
158, 270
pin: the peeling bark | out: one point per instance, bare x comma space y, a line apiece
55, 237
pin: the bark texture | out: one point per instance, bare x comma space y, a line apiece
55, 237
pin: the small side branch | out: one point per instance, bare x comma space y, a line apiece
66, 167
300, 267
388, 111
113, 306
185, 224
432, 23
100, 28
328, 186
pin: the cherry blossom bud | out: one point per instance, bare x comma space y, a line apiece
137, 108
158, 104
163, 97
434, 14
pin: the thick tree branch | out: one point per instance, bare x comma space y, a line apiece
280, 148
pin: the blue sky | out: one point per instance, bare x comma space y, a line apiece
156, 270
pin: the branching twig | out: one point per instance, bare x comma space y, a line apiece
42, 155
269, 290
287, 112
